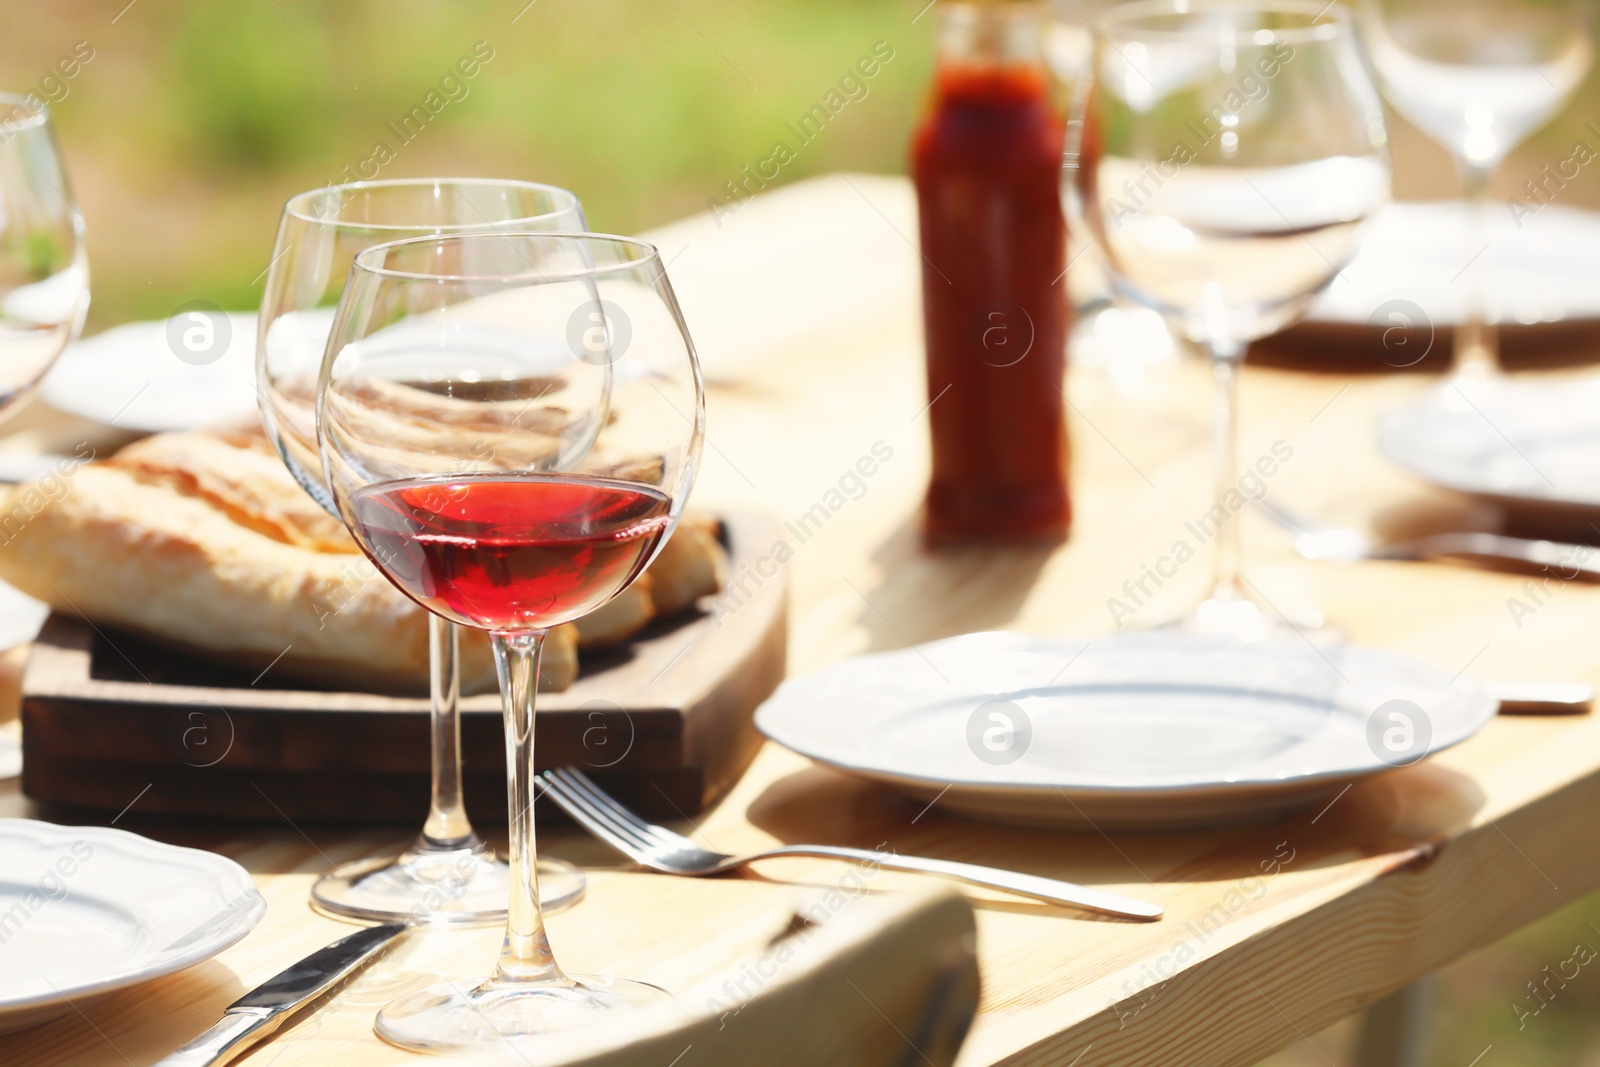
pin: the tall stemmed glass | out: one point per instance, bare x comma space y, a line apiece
448, 875
44, 269
510, 424
1223, 156
1478, 78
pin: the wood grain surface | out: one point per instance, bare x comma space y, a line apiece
665, 720
805, 303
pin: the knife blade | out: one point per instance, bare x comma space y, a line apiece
260, 1012
1542, 698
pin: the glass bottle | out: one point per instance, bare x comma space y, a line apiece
986, 161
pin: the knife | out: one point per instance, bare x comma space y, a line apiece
1542, 698
259, 1013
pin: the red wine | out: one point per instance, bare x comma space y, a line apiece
506, 552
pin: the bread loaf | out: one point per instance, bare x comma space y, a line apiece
205, 541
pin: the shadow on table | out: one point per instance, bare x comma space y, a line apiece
1382, 348
286, 848
1405, 814
141, 1018
978, 588
1439, 511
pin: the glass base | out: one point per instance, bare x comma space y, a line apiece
445, 1019
1240, 618
467, 887
1470, 388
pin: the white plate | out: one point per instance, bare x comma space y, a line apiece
1525, 444
1540, 271
130, 377
21, 617
85, 910
1148, 730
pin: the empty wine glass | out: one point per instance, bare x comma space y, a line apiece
448, 875
1478, 78
44, 269
509, 425
1223, 157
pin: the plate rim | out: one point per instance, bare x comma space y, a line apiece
140, 847
1389, 421
1487, 712
53, 385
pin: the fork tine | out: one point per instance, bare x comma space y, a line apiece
600, 798
595, 826
576, 799
1272, 510
583, 813
578, 780
1292, 520
596, 819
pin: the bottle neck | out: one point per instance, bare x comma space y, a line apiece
991, 35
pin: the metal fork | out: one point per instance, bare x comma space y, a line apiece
662, 850
1319, 540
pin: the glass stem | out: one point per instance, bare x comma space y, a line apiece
447, 828
1227, 357
525, 957
1477, 348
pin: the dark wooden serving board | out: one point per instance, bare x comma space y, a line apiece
664, 721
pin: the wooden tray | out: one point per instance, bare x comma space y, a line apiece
665, 721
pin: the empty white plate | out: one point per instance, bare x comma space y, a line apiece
1536, 272
1148, 730
21, 617
85, 910
174, 374
1521, 443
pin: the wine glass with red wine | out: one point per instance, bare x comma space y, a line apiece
509, 424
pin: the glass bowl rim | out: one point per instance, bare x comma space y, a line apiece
644, 253
1324, 22
297, 205
33, 114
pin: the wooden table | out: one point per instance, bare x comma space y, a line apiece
805, 304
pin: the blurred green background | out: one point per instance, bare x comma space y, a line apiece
196, 119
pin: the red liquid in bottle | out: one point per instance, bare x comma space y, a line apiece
510, 553
986, 162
